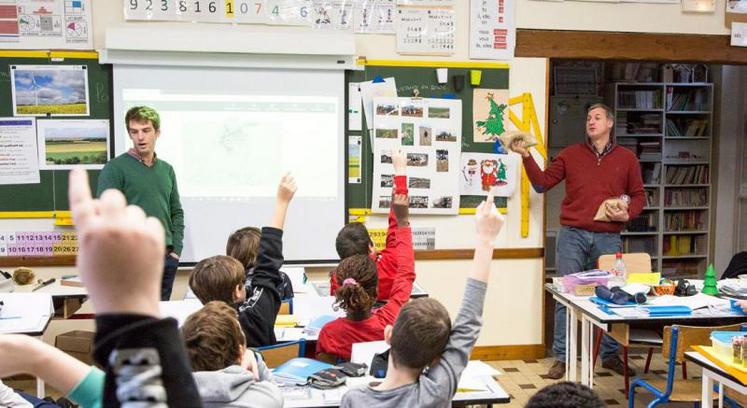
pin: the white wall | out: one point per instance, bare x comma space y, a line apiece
623, 17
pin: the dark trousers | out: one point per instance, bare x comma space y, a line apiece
170, 264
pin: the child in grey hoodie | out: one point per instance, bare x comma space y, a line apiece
226, 372
422, 336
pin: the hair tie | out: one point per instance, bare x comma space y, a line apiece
349, 281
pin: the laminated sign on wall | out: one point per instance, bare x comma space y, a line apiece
45, 24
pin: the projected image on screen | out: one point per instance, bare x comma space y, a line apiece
228, 146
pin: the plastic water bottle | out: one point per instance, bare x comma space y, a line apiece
619, 269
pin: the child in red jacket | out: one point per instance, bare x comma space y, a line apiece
357, 279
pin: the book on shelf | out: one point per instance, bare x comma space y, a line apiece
687, 100
678, 268
685, 127
693, 174
686, 220
646, 222
651, 173
640, 244
651, 200
638, 99
686, 197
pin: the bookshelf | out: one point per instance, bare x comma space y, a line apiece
669, 126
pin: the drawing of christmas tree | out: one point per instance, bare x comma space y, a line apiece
493, 125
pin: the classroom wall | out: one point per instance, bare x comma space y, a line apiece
623, 17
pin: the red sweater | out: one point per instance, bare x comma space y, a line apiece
588, 182
337, 337
386, 260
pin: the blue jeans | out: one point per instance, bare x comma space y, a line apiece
170, 265
578, 250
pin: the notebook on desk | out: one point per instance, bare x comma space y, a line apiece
25, 313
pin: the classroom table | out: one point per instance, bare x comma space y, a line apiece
66, 299
713, 373
26, 313
618, 327
308, 397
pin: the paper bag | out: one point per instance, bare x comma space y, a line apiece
508, 138
601, 215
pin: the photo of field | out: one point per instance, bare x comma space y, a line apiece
50, 90
67, 143
439, 113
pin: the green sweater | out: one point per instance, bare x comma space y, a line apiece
151, 188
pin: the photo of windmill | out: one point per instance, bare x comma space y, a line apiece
50, 90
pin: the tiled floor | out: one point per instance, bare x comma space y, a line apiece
522, 378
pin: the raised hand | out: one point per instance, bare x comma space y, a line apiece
487, 218
287, 188
401, 208
120, 250
399, 160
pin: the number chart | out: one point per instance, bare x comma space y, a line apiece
38, 243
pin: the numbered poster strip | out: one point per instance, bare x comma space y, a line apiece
289, 12
375, 16
246, 11
38, 243
150, 10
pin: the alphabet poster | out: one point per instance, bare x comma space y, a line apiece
429, 132
479, 172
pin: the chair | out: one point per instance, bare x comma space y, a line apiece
286, 307
636, 262
677, 340
278, 354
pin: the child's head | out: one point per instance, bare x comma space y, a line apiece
244, 245
566, 395
419, 335
353, 239
213, 337
358, 282
219, 277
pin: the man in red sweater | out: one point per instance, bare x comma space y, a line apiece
594, 171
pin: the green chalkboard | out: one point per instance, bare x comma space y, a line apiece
51, 193
422, 78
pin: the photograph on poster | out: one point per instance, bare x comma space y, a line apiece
417, 159
442, 202
426, 136
408, 134
386, 133
418, 182
442, 160
438, 113
64, 144
387, 181
49, 90
445, 136
418, 201
387, 110
415, 111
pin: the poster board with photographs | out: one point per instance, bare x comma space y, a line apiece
93, 107
422, 76
429, 133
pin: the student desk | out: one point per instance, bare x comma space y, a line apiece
713, 373
26, 313
618, 327
307, 397
66, 299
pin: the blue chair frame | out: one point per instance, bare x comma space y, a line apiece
663, 396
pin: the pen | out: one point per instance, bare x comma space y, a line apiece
43, 284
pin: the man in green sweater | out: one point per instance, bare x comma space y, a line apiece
150, 184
